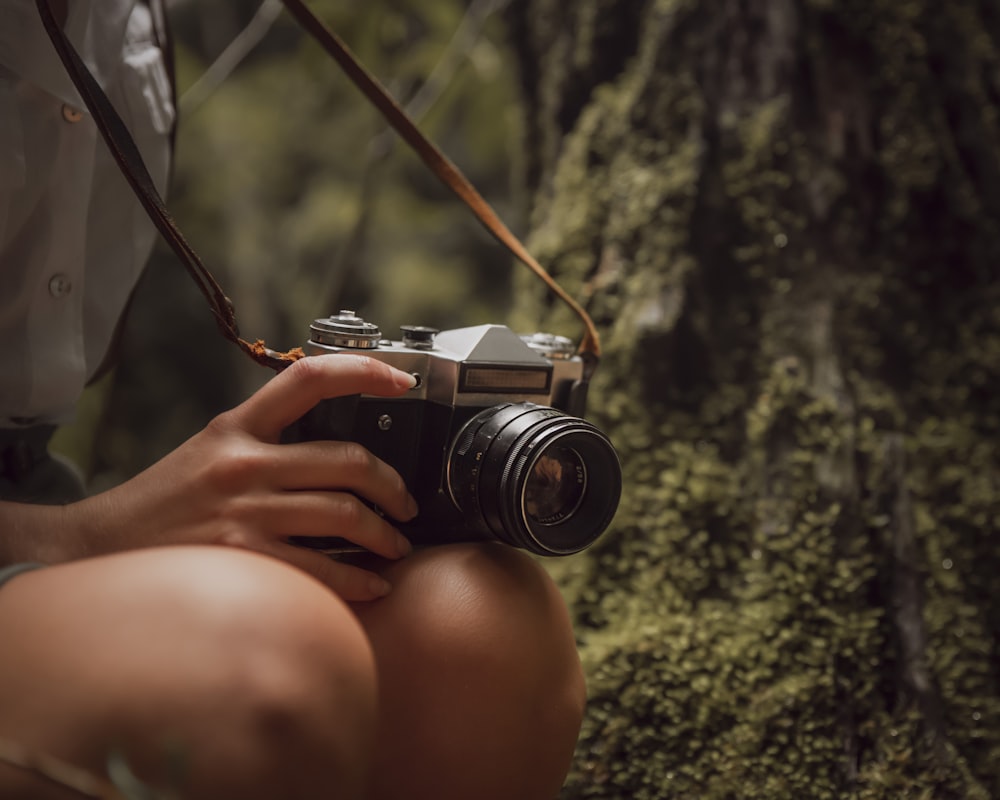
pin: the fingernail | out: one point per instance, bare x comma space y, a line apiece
403, 546
378, 586
411, 506
409, 379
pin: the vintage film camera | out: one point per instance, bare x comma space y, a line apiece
489, 442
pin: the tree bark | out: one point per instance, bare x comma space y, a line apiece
785, 217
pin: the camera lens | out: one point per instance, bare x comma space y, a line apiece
535, 478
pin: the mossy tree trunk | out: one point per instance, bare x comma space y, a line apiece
785, 216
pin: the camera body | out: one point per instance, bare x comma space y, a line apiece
489, 441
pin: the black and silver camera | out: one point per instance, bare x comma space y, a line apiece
490, 441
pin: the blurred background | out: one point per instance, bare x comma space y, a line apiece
295, 195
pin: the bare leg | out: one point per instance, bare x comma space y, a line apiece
258, 678
480, 688
264, 682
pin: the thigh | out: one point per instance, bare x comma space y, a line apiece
192, 655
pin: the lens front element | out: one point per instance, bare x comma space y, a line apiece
535, 477
555, 486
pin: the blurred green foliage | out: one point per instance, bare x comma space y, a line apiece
271, 170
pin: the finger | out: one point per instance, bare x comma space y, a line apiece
331, 514
289, 395
349, 582
343, 466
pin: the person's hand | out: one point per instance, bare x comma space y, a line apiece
234, 484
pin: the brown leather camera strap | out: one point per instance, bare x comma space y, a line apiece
127, 155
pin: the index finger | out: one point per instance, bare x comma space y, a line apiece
290, 394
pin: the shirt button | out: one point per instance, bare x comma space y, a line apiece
60, 285
71, 114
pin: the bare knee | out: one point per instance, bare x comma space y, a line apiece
224, 673
478, 665
300, 676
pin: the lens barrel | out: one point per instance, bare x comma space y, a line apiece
535, 477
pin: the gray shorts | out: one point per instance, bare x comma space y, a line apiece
12, 571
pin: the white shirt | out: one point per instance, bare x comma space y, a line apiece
73, 238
